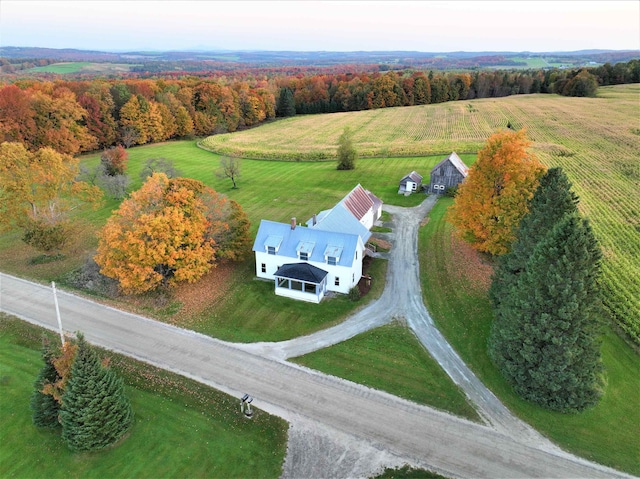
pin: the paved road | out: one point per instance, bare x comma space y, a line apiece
453, 446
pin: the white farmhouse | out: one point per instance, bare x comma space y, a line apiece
306, 262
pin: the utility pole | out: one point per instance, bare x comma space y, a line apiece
55, 300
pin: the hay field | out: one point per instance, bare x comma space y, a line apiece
596, 141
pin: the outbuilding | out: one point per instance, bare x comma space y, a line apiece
410, 184
448, 173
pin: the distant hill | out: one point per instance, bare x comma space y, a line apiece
260, 58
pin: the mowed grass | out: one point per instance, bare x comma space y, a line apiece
84, 67
607, 433
390, 358
181, 428
595, 140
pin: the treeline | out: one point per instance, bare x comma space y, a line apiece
85, 115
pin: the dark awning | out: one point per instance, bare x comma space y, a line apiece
301, 272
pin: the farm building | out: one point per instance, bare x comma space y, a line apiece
410, 183
448, 173
326, 255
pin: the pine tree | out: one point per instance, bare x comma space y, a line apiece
44, 406
286, 103
545, 336
551, 201
95, 412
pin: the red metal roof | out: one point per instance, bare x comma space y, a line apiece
358, 202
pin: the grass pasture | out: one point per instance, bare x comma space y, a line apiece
457, 299
181, 428
595, 140
390, 358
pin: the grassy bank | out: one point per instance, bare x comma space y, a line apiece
181, 428
455, 294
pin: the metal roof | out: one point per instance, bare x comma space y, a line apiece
413, 176
456, 162
340, 220
291, 238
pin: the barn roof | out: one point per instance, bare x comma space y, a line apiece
456, 162
302, 272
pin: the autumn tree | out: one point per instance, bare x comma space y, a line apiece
114, 160
229, 168
159, 165
493, 199
95, 412
38, 191
233, 242
156, 237
347, 153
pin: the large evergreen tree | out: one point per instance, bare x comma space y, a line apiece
551, 201
286, 105
545, 336
95, 412
45, 408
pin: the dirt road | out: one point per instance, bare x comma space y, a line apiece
403, 430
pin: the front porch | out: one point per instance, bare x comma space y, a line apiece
301, 281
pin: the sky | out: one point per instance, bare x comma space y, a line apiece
428, 26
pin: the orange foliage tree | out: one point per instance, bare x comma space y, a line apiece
493, 199
163, 234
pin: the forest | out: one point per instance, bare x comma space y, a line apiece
81, 115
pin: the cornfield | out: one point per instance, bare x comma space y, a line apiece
595, 140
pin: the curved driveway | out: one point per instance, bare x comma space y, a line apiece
418, 434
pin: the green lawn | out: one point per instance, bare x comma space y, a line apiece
607, 433
181, 428
390, 358
61, 68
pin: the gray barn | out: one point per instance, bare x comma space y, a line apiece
448, 173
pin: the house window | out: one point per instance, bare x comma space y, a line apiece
356, 255
304, 256
337, 281
271, 249
353, 277
264, 267
331, 260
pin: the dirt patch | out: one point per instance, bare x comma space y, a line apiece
469, 265
380, 244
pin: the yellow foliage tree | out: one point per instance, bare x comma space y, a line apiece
38, 191
493, 199
160, 235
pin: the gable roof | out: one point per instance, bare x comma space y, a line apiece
341, 220
413, 176
456, 162
302, 272
358, 202
292, 238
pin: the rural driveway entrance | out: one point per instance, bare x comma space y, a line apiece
418, 434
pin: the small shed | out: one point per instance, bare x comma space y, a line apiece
410, 183
448, 173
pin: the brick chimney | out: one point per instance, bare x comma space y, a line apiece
293, 223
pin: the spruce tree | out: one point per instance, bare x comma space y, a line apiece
44, 406
347, 153
286, 105
552, 200
95, 412
545, 336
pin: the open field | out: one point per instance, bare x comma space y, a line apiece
181, 428
455, 293
83, 67
595, 140
391, 359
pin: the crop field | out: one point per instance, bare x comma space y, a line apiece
83, 67
595, 140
